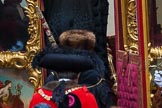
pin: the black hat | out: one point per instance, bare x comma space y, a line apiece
62, 61
74, 53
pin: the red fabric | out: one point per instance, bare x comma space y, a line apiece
37, 98
141, 44
86, 98
128, 81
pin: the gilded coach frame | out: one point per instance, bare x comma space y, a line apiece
22, 60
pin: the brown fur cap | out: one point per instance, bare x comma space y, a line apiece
78, 39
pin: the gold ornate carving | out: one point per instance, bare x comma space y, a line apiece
155, 52
113, 74
22, 60
132, 32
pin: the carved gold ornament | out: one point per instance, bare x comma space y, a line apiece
132, 36
130, 29
22, 60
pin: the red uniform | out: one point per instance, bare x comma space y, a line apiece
37, 98
86, 98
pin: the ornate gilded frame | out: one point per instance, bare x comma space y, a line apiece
136, 32
129, 23
136, 39
22, 60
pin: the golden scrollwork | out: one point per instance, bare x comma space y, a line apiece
22, 60
132, 32
112, 68
155, 52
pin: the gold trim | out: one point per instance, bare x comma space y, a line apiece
117, 40
130, 34
22, 60
124, 18
96, 83
146, 47
43, 95
155, 52
129, 24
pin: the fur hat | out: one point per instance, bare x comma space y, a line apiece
78, 39
61, 61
